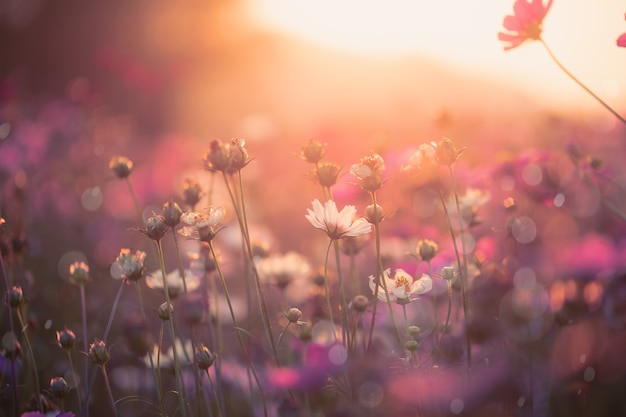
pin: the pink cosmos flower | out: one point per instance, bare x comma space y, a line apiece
526, 24
621, 41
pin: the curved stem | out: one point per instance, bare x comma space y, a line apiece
220, 413
577, 81
5, 279
74, 382
179, 379
242, 345
108, 385
131, 189
83, 309
31, 357
342, 299
113, 310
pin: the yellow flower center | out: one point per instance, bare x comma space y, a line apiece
402, 281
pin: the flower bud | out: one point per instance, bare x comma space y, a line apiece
411, 345
66, 338
15, 296
165, 311
374, 213
449, 273
293, 315
59, 387
369, 171
98, 352
446, 153
205, 358
121, 166
171, 213
326, 174
238, 155
414, 332
217, 158
313, 151
360, 303
427, 249
155, 228
79, 273
192, 191
130, 266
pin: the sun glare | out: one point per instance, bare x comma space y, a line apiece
463, 34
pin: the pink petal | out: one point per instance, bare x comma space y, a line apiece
621, 41
523, 10
512, 23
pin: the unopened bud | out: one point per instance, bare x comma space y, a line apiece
15, 296
360, 303
313, 151
293, 315
374, 213
165, 311
427, 249
205, 358
171, 213
98, 352
121, 166
155, 228
66, 339
59, 387
79, 273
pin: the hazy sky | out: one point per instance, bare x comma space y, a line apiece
581, 33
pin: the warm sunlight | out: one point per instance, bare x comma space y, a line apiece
464, 34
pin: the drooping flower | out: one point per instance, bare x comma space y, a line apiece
337, 224
621, 41
401, 287
525, 24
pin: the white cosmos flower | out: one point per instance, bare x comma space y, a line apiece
174, 281
401, 287
337, 224
202, 226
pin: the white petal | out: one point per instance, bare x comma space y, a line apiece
422, 285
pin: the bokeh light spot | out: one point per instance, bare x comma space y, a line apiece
323, 332
63, 266
525, 278
589, 374
507, 183
91, 199
456, 406
337, 354
593, 293
370, 394
559, 200
531, 174
5, 129
524, 229
48, 324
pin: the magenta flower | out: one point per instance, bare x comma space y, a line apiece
525, 24
621, 41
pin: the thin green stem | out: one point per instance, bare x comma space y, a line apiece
445, 328
157, 379
31, 356
380, 279
220, 412
179, 380
108, 386
74, 382
577, 81
242, 345
133, 195
5, 279
83, 309
327, 288
181, 266
468, 347
345, 332
116, 301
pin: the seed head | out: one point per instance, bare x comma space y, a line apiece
427, 249
171, 213
156, 228
15, 296
121, 166
238, 155
98, 352
360, 303
192, 192
79, 273
293, 315
66, 338
217, 158
59, 387
313, 151
411, 345
326, 174
165, 311
204, 357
